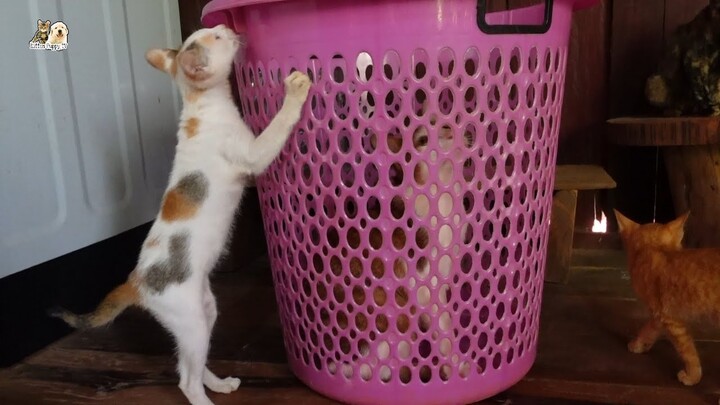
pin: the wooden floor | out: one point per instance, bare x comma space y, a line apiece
582, 356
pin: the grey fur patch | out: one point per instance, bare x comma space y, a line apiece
194, 186
176, 269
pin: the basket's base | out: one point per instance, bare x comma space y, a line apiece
455, 391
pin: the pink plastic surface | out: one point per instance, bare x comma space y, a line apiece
386, 72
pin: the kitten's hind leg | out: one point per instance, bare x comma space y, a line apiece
221, 385
684, 345
187, 322
646, 337
213, 382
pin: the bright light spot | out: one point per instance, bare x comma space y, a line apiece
601, 225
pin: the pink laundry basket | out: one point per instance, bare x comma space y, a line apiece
407, 217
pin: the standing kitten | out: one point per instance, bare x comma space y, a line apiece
676, 284
216, 155
41, 35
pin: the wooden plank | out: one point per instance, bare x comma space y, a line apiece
44, 392
613, 393
121, 376
582, 177
112, 380
562, 227
136, 363
664, 131
38, 391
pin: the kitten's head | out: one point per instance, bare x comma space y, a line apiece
203, 61
653, 235
43, 26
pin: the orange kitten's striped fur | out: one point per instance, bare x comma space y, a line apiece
677, 285
215, 157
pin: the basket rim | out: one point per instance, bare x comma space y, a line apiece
211, 9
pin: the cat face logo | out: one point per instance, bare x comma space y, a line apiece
52, 37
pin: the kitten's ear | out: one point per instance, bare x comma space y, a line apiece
679, 222
625, 224
162, 59
40, 23
193, 62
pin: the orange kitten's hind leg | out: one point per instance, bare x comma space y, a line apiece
646, 338
683, 342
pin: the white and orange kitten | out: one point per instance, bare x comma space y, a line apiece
216, 155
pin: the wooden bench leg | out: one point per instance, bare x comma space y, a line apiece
562, 228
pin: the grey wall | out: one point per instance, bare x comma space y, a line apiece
87, 135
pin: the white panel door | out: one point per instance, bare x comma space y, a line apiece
87, 134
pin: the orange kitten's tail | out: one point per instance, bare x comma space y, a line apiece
113, 305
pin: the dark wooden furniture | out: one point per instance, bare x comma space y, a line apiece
691, 149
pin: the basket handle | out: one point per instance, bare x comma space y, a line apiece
513, 28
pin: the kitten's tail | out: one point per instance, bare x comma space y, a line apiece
113, 305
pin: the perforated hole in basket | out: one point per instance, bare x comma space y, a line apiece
411, 252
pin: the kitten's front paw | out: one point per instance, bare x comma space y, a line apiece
297, 86
689, 378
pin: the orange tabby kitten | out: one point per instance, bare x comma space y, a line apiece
676, 284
